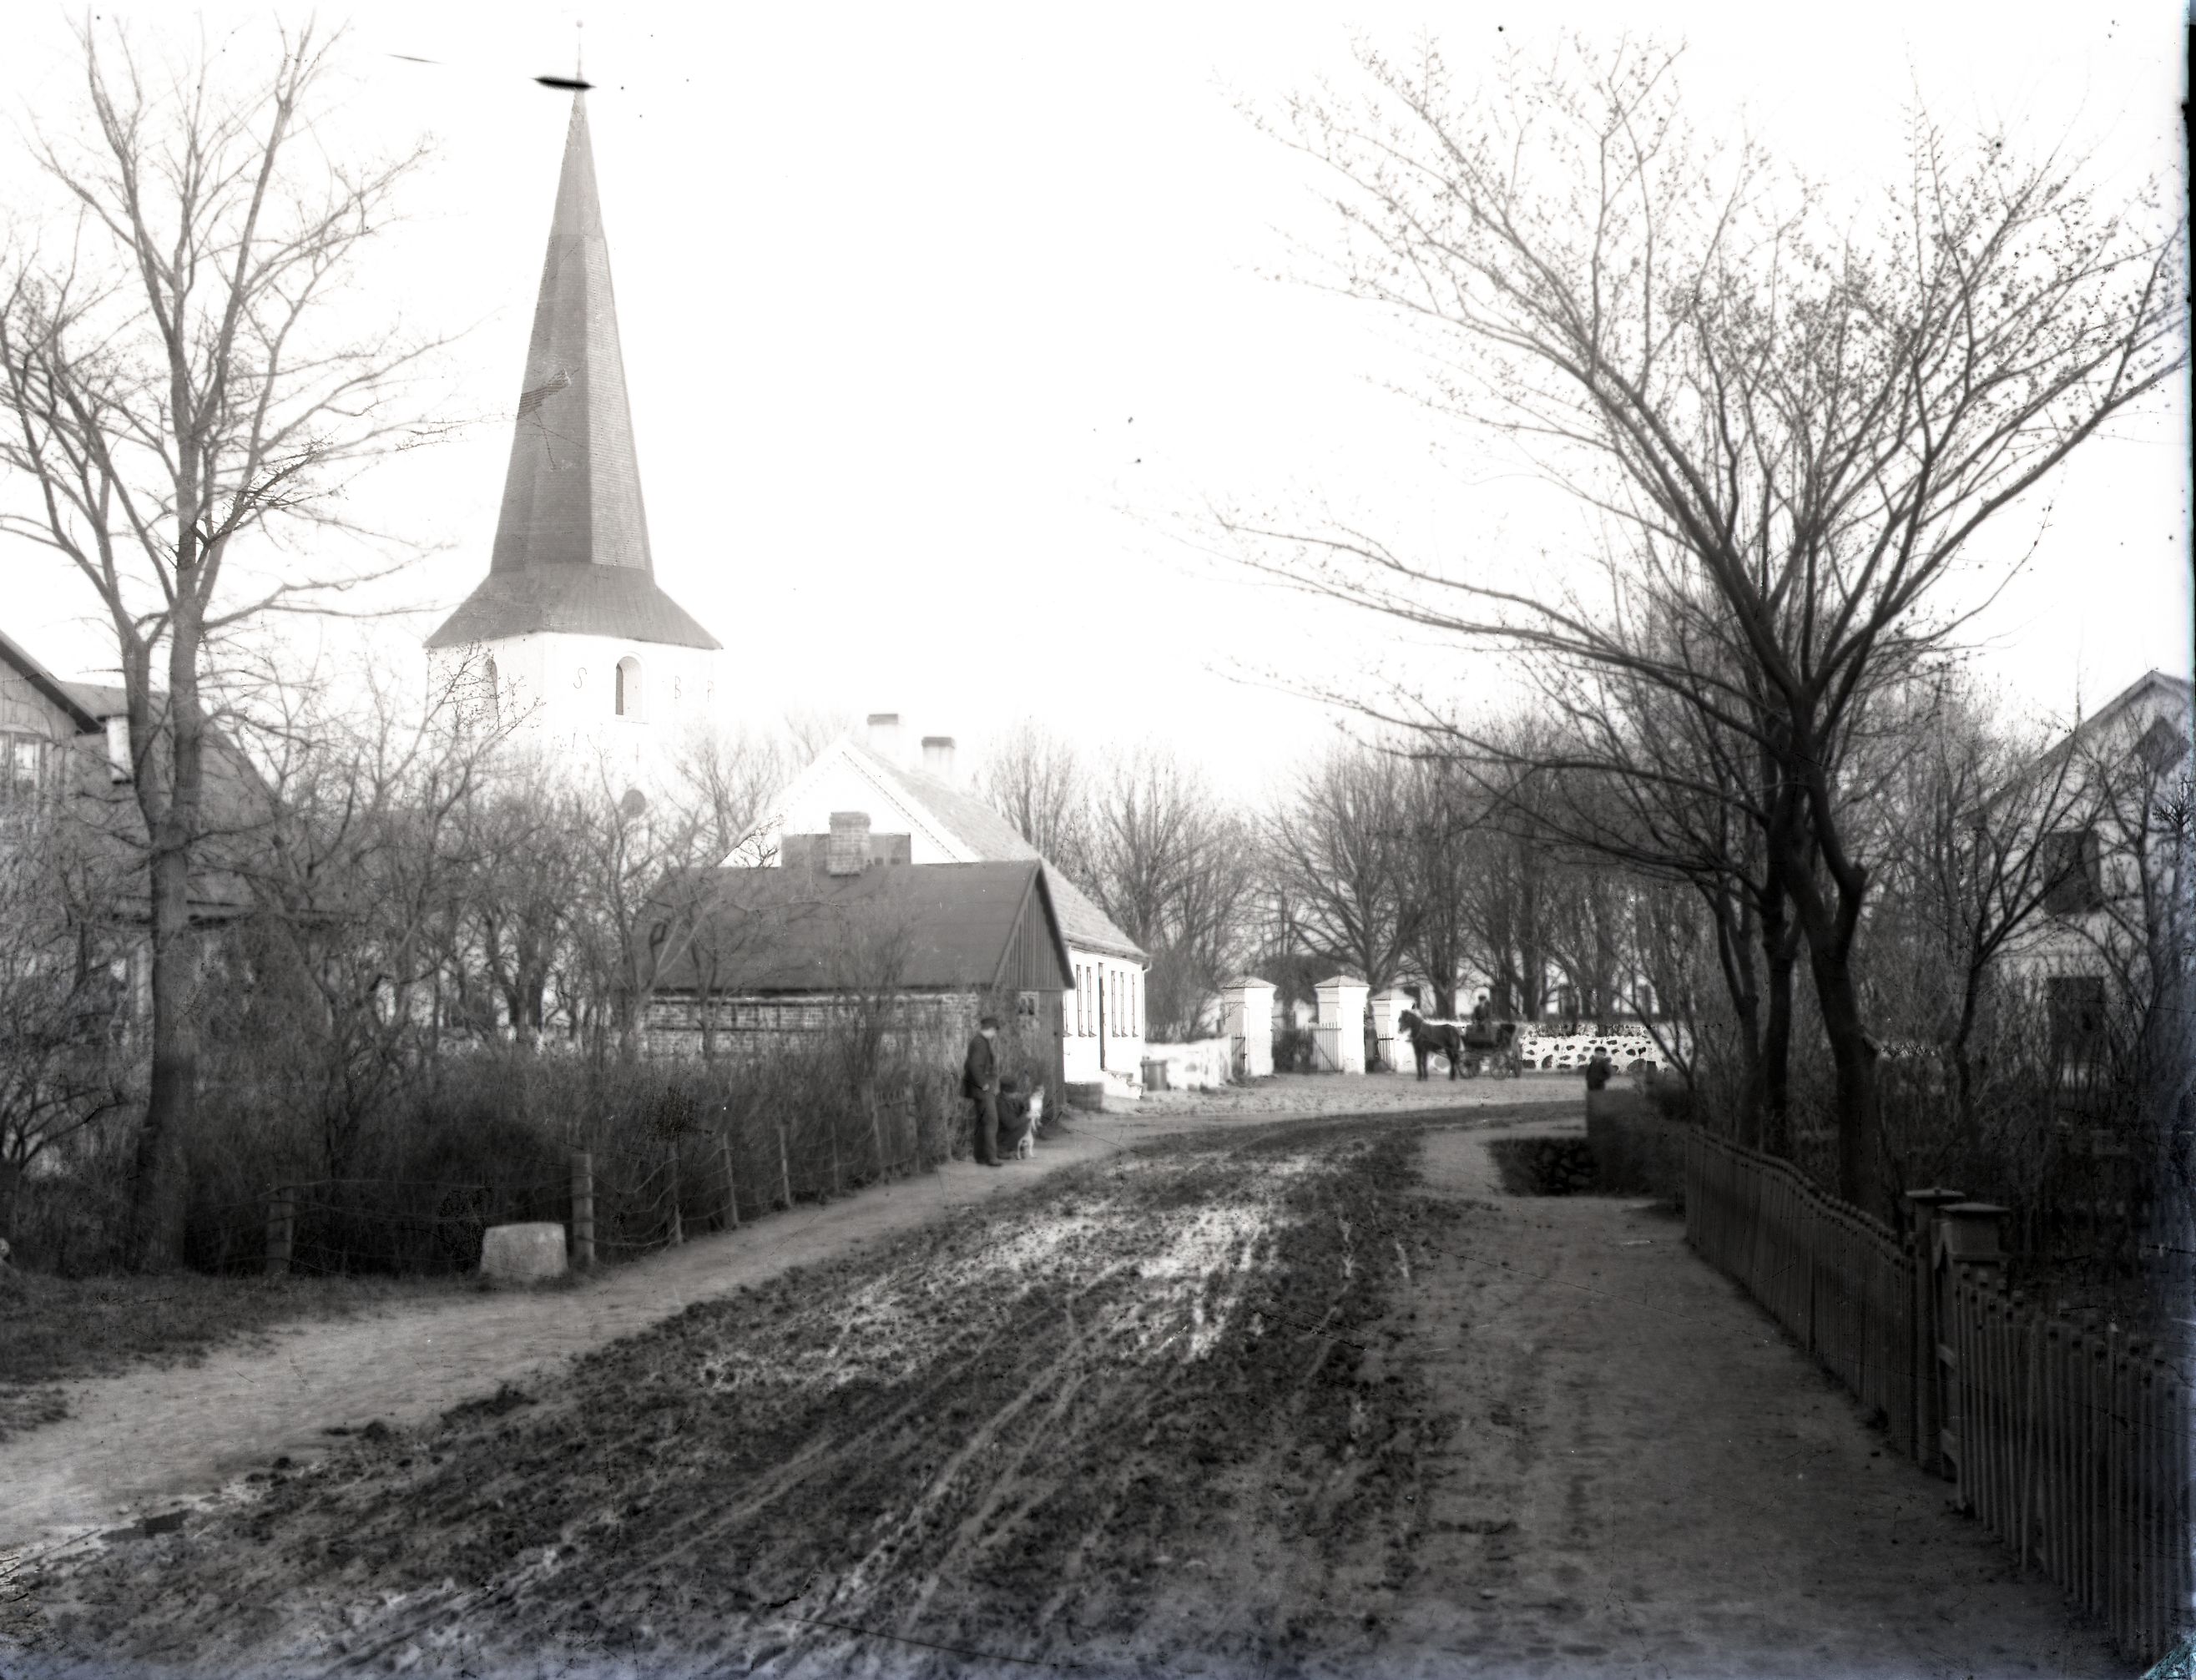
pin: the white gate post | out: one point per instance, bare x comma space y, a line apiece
1340, 1034
1246, 1016
1386, 1007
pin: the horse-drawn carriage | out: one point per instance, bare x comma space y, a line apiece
1471, 1047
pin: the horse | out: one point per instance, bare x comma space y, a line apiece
1428, 1036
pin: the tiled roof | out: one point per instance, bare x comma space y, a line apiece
990, 835
788, 929
571, 549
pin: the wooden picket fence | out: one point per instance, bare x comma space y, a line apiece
2071, 1445
1841, 1283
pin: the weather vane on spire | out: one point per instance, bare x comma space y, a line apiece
577, 81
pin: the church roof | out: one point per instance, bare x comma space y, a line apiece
575, 600
571, 541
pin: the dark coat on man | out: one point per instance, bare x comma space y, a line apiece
979, 1083
980, 1073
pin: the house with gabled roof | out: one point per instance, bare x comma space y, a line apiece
2114, 866
921, 812
759, 958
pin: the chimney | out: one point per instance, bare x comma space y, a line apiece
884, 734
848, 853
938, 756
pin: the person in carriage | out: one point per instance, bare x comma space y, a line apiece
1469, 1046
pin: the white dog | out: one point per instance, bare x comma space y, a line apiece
1025, 1146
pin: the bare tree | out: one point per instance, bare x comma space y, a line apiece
1797, 435
355, 886
1172, 866
61, 1068
1037, 782
169, 391
1341, 848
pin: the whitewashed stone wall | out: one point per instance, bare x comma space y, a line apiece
1201, 1066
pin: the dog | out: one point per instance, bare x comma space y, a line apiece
1026, 1144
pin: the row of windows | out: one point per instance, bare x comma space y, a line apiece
1105, 996
629, 688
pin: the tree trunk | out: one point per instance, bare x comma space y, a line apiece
1783, 957
1854, 1056
1734, 956
157, 1190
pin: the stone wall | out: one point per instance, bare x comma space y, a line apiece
1574, 1050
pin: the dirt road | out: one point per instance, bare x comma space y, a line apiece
128, 1445
1312, 1399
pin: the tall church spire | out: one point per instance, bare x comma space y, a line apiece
571, 549
572, 495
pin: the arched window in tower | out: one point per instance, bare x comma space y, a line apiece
494, 693
628, 687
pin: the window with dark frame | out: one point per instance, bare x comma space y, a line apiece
2072, 864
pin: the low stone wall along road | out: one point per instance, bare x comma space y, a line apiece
1311, 1397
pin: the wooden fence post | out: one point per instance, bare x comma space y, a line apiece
784, 1172
583, 1209
678, 1223
731, 1191
281, 1228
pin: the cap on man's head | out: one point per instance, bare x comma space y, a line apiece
990, 1021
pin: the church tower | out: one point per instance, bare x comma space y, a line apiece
567, 639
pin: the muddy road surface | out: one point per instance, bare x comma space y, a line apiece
1314, 1399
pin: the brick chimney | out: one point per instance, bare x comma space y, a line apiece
938, 756
848, 852
884, 734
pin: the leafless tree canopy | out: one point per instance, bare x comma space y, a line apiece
173, 389
1794, 425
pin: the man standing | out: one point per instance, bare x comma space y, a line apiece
979, 1083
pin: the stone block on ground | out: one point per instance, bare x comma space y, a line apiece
522, 1254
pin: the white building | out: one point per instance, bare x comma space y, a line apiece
2110, 863
919, 810
569, 642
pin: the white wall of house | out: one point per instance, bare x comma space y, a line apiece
1104, 1019
560, 695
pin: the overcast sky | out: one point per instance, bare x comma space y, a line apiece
936, 325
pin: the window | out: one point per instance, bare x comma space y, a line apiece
2161, 747
628, 687
2073, 873
22, 757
